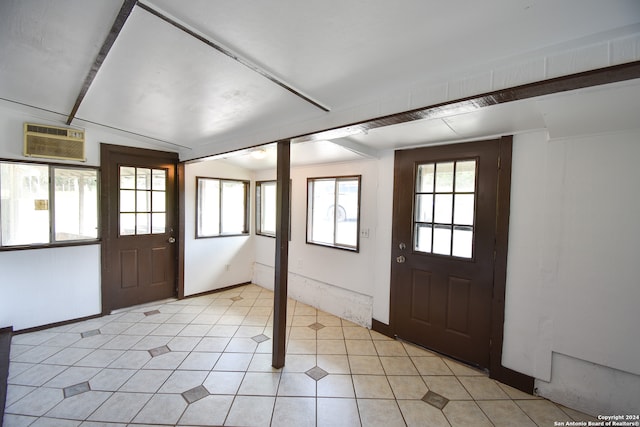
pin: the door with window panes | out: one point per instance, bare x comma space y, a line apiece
139, 239
444, 227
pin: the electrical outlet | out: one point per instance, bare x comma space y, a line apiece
364, 233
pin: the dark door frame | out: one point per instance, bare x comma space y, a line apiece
107, 198
496, 370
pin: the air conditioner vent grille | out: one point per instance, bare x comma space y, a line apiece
53, 142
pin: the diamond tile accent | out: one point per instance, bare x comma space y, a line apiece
260, 338
237, 299
195, 394
317, 373
435, 399
90, 333
151, 313
159, 351
75, 389
316, 326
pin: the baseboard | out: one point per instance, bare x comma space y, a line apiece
215, 291
382, 328
56, 324
5, 348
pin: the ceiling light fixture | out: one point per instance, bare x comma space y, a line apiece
259, 153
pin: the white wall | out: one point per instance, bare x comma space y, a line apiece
337, 281
217, 262
43, 286
573, 279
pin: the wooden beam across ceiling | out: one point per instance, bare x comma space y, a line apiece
119, 22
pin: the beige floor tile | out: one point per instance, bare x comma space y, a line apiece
334, 363
336, 386
199, 361
260, 384
337, 413
460, 369
181, 381
329, 319
146, 381
214, 344
356, 332
302, 320
465, 413
71, 376
483, 388
36, 403
408, 387
170, 360
241, 345
37, 375
372, 387
209, 411
330, 333
111, 379
516, 394
223, 382
380, 413
162, 409
120, 407
223, 331
296, 384
331, 347
298, 362
302, 333
301, 347
576, 415
251, 411
80, 406
366, 365
414, 350
262, 362
398, 365
542, 412
447, 386
390, 348
294, 411
431, 365
233, 362
505, 413
418, 413
360, 347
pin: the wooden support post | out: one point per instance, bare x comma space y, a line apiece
283, 195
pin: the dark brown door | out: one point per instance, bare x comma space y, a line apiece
444, 228
139, 226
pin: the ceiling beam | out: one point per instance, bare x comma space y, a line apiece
357, 147
119, 22
233, 56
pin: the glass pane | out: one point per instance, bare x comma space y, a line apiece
424, 207
143, 179
442, 240
268, 207
464, 209
158, 201
424, 179
76, 207
233, 207
444, 177
127, 201
24, 204
127, 178
143, 201
443, 208
466, 176
159, 179
322, 214
347, 215
142, 223
208, 216
127, 224
158, 223
462, 242
423, 238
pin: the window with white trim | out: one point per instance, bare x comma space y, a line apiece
222, 207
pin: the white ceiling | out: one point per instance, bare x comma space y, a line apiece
162, 83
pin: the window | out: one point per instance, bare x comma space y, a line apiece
445, 208
333, 212
222, 207
266, 208
143, 205
45, 204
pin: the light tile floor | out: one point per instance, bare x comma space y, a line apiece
206, 361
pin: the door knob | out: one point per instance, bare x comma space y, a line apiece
171, 240
401, 259
402, 246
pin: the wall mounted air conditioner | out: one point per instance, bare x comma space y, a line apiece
53, 142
